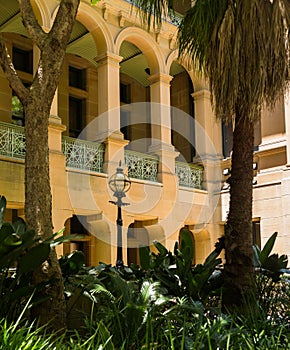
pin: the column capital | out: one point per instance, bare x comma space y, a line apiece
108, 58
201, 94
160, 77
56, 123
55, 130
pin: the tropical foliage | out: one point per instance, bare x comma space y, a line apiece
176, 273
166, 303
242, 48
21, 253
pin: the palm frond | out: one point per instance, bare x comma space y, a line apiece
154, 11
242, 48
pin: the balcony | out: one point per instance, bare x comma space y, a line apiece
89, 156
83, 155
12, 141
189, 175
141, 166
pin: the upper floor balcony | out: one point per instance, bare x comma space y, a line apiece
89, 156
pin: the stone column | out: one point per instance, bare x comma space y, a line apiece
208, 142
209, 128
108, 121
287, 124
161, 125
283, 245
61, 205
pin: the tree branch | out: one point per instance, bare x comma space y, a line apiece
36, 33
54, 49
64, 21
10, 72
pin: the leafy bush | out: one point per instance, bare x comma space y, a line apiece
176, 273
273, 284
21, 252
165, 302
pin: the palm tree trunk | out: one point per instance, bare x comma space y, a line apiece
238, 272
38, 211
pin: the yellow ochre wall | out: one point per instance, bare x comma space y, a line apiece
158, 209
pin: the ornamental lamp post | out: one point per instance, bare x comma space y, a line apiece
119, 183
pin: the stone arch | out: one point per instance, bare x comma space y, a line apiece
197, 79
181, 92
42, 12
93, 233
96, 26
143, 233
146, 44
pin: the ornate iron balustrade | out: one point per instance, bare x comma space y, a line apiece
12, 141
141, 166
84, 155
189, 175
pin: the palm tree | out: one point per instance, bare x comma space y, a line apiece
242, 47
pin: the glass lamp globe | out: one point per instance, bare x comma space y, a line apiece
119, 182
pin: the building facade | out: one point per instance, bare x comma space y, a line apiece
125, 96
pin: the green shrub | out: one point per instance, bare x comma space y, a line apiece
21, 252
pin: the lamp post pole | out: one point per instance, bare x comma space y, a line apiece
119, 262
119, 184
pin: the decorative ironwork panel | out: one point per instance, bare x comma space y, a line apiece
189, 175
12, 141
85, 155
141, 166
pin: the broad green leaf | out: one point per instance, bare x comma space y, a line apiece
265, 252
12, 240
212, 256
160, 247
63, 239
19, 227
256, 253
5, 231
283, 261
186, 247
144, 253
176, 248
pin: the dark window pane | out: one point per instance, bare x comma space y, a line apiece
125, 93
125, 124
77, 78
22, 59
256, 232
76, 116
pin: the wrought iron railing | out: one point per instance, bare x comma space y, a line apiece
12, 141
189, 175
141, 166
87, 155
83, 155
